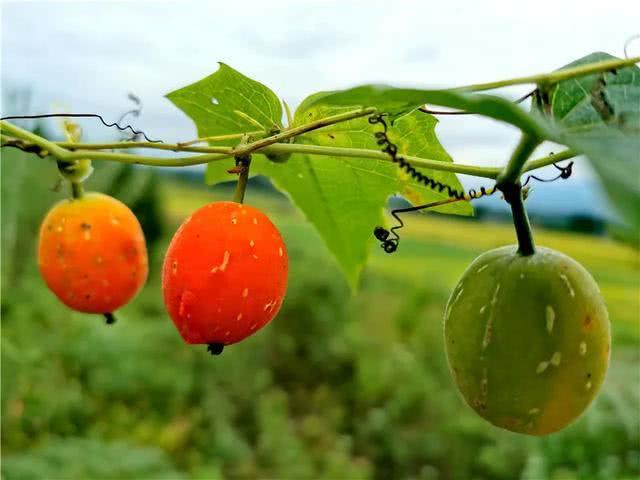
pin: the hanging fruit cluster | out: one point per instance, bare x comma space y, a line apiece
224, 275
526, 330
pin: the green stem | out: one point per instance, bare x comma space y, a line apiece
548, 160
554, 77
523, 151
243, 178
509, 183
307, 127
289, 114
513, 195
340, 152
173, 147
43, 143
220, 138
490, 172
76, 190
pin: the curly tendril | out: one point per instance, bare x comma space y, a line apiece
86, 115
390, 239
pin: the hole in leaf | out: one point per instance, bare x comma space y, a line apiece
215, 101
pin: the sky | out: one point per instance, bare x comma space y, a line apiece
87, 56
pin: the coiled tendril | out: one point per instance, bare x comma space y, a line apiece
390, 245
86, 115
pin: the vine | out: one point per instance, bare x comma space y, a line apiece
369, 105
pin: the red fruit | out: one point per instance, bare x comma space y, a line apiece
225, 274
92, 254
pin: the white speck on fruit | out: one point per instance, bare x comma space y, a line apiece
555, 359
245, 293
255, 221
251, 243
99, 260
234, 220
114, 221
568, 284
583, 348
87, 235
482, 267
269, 305
239, 317
551, 318
253, 327
488, 330
255, 256
542, 366
280, 251
227, 333
494, 300
223, 266
59, 229
534, 411
588, 385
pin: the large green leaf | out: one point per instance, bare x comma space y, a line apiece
213, 102
344, 197
590, 101
399, 101
599, 115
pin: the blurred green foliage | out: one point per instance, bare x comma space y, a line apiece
338, 386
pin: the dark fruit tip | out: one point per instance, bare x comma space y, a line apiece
215, 348
109, 318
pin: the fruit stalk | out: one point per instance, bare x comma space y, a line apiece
76, 190
513, 195
242, 164
508, 182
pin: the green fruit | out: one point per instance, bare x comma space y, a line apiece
527, 339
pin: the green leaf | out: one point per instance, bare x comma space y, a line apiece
344, 198
400, 101
599, 115
593, 100
213, 102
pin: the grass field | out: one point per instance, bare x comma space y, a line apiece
340, 385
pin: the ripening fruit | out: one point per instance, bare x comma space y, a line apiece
224, 275
527, 339
92, 253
